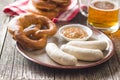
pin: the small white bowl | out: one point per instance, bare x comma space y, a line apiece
85, 28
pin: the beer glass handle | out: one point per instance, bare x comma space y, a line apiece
83, 8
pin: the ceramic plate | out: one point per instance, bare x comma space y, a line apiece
42, 58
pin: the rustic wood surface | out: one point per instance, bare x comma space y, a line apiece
13, 66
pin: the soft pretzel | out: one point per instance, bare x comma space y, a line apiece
60, 1
28, 43
65, 5
50, 14
50, 31
30, 31
48, 8
26, 30
43, 4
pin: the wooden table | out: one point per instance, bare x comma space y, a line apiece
13, 66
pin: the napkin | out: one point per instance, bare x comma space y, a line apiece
20, 7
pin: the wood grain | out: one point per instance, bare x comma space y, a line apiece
3, 21
13, 66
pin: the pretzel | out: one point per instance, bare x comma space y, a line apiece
43, 4
50, 31
50, 14
29, 30
60, 1
65, 4
28, 43
48, 8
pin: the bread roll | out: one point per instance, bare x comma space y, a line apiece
83, 53
97, 44
59, 56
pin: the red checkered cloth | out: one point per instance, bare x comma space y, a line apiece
20, 7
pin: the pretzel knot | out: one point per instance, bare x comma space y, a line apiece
31, 31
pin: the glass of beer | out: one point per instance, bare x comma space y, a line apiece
102, 14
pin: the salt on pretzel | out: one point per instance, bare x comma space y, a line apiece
25, 28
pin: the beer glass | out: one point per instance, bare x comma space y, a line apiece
102, 14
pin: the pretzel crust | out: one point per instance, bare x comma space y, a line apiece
31, 31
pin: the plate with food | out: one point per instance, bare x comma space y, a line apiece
63, 53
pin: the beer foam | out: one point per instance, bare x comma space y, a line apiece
115, 4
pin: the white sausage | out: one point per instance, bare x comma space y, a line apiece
97, 44
59, 56
83, 53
